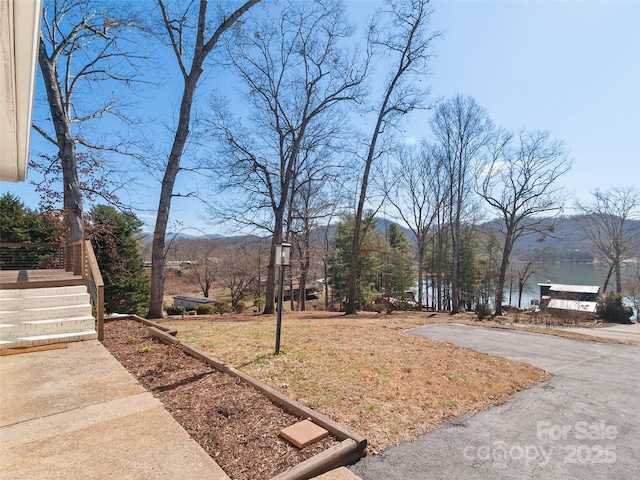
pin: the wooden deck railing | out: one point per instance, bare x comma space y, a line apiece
80, 259
96, 287
77, 258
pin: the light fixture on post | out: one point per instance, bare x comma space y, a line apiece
283, 253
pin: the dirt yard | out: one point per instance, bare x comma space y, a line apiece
363, 371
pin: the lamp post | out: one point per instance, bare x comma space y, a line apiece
283, 253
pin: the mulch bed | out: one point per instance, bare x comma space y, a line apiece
234, 423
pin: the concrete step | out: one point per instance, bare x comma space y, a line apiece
37, 316
42, 301
28, 341
30, 314
46, 327
35, 292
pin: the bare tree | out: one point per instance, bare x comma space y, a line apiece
490, 251
310, 206
405, 38
606, 224
440, 253
315, 197
85, 47
191, 53
297, 78
461, 129
521, 185
325, 239
260, 247
416, 193
522, 271
204, 264
238, 272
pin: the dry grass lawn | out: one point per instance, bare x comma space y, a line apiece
363, 371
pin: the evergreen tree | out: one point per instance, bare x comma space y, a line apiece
470, 268
113, 235
399, 271
370, 261
19, 224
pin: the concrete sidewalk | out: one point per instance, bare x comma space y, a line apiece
626, 332
77, 413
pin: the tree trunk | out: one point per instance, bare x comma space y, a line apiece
608, 278
269, 299
520, 289
355, 246
201, 50
618, 277
302, 292
506, 253
421, 247
385, 110
353, 261
304, 272
455, 257
306, 264
440, 269
259, 275
270, 286
166, 194
73, 212
326, 285
357, 227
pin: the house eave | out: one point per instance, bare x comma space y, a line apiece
19, 34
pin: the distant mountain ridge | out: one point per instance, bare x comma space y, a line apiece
565, 241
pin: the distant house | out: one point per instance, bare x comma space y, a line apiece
191, 303
568, 298
311, 290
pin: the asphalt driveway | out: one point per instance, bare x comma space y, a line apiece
584, 423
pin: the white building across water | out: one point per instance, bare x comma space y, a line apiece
577, 298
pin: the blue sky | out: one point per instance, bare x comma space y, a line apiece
571, 67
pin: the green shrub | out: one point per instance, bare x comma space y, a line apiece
403, 304
115, 241
175, 310
204, 309
483, 310
610, 308
223, 307
240, 307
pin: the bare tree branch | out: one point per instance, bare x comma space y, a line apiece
200, 50
521, 185
606, 224
407, 36
296, 76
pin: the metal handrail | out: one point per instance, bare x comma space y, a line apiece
30, 256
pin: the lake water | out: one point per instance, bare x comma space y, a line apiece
568, 274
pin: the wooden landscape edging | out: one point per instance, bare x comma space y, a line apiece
352, 445
32, 348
